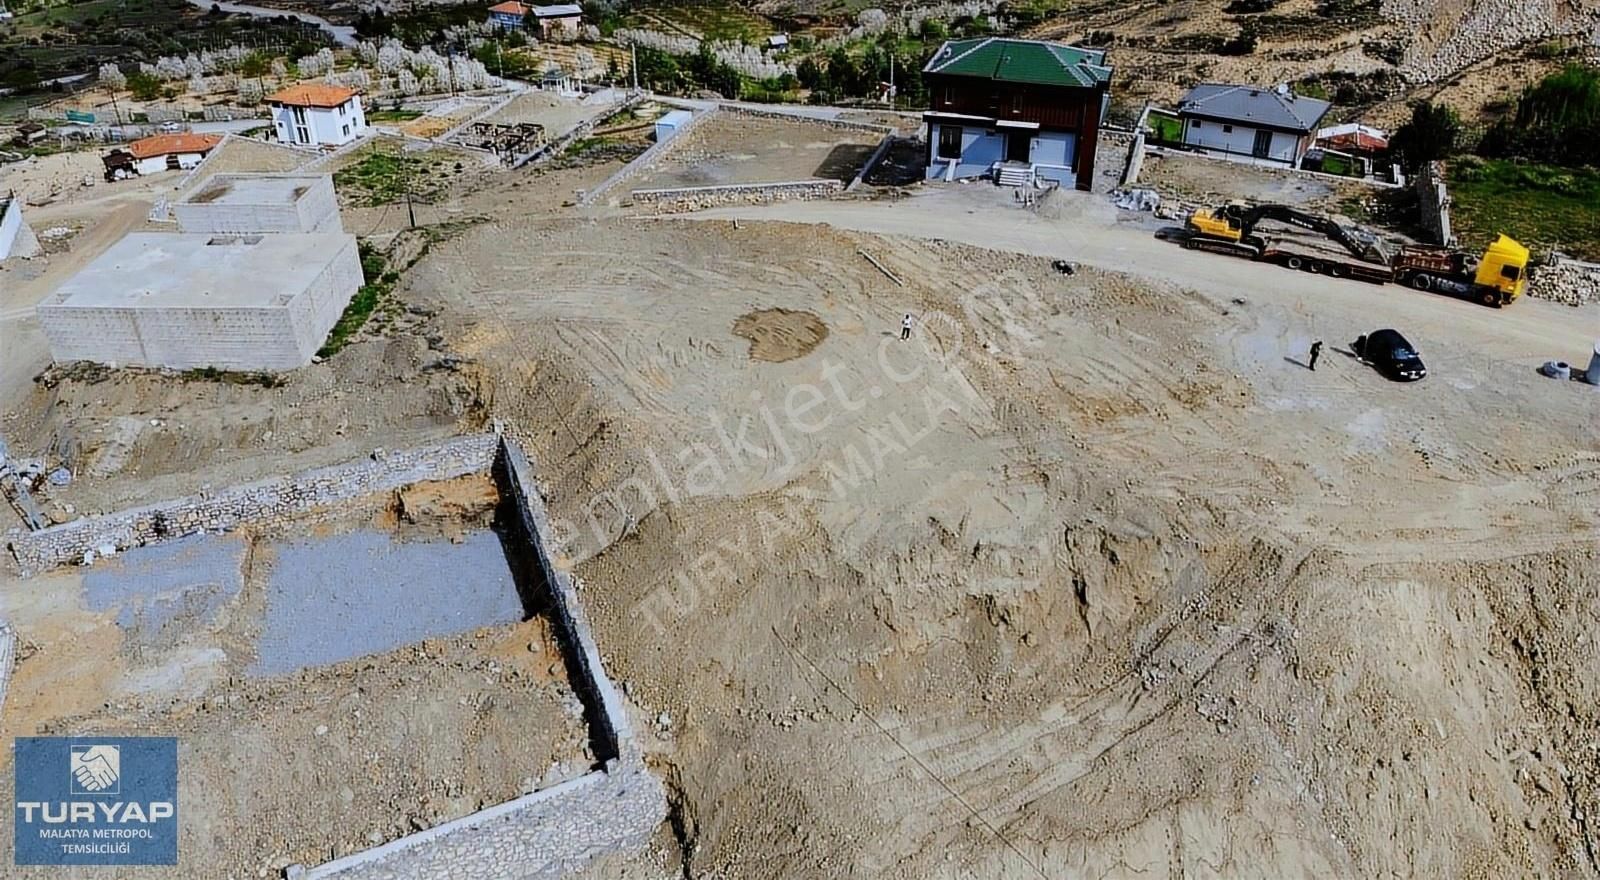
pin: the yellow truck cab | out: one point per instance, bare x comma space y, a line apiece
1504, 267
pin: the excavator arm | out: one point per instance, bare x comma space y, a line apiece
1363, 244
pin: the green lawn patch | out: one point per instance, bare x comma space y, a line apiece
1165, 128
382, 176
1541, 206
392, 115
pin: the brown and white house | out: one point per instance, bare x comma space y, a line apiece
1020, 111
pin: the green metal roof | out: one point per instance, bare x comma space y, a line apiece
1025, 61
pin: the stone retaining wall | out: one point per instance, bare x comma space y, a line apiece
547, 834
696, 198
516, 475
846, 124
872, 161
266, 503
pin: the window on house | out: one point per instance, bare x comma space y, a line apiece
343, 108
347, 129
949, 141
949, 94
1198, 123
1227, 129
1016, 102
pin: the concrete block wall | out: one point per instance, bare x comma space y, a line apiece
281, 336
317, 308
313, 209
269, 502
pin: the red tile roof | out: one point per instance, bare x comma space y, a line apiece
167, 144
1356, 140
312, 94
510, 7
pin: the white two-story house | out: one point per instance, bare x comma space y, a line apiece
312, 114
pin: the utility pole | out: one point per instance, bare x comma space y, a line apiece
634, 48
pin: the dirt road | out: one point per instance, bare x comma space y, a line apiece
1089, 229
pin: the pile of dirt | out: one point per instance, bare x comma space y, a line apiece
778, 335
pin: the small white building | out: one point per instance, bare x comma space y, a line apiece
669, 125
314, 114
1274, 125
160, 152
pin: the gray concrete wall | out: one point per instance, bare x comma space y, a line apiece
16, 239
281, 336
316, 209
269, 503
314, 312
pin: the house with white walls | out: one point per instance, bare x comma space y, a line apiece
1243, 121
159, 152
315, 114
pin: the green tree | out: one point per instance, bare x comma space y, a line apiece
1557, 121
144, 86
1432, 133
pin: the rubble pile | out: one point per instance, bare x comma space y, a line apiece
1567, 281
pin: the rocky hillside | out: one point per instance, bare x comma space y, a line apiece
1450, 35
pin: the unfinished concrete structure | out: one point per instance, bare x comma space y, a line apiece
247, 203
16, 239
184, 301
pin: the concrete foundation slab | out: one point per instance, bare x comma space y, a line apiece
184, 301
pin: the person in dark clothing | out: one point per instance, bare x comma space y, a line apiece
1316, 352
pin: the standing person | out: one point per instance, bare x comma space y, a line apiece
1316, 352
905, 326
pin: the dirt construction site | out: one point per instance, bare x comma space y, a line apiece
1089, 577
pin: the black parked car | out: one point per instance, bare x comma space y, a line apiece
1391, 355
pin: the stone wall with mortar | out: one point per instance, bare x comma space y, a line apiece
265, 503
695, 198
843, 124
1571, 282
549, 833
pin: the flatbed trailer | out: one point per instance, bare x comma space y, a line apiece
1495, 279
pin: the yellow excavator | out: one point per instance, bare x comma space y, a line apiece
1495, 278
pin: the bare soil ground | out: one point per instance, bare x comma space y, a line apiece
1211, 182
1091, 576
555, 113
741, 149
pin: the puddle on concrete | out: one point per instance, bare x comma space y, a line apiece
342, 596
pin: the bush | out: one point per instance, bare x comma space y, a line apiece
1556, 121
1432, 133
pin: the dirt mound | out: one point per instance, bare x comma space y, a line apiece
778, 335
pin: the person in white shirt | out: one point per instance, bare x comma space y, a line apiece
905, 327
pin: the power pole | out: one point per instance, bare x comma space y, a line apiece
634, 48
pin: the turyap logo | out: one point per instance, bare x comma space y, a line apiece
96, 800
96, 770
